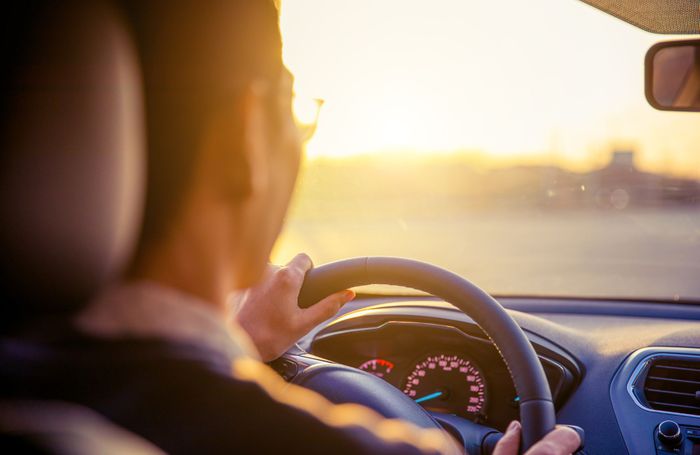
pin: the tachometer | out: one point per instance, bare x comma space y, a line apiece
378, 367
448, 383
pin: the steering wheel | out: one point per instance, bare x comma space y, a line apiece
536, 407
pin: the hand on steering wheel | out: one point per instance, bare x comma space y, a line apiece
269, 312
561, 440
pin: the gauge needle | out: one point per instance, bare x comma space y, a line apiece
428, 397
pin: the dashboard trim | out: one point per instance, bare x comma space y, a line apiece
375, 328
645, 363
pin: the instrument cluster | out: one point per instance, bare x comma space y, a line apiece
441, 382
446, 366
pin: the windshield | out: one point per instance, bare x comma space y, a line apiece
509, 142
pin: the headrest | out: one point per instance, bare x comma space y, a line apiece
72, 162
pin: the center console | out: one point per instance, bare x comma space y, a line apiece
656, 398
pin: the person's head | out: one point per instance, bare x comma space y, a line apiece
223, 145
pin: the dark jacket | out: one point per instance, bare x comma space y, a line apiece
183, 398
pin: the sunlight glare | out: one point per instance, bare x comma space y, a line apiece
540, 78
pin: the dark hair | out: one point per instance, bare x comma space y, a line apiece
196, 56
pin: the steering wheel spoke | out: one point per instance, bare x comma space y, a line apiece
294, 362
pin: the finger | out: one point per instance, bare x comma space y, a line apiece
326, 308
292, 275
301, 262
561, 440
510, 442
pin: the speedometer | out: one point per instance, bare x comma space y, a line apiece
448, 383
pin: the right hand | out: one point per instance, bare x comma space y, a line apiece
560, 441
270, 313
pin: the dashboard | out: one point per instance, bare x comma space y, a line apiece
442, 361
592, 352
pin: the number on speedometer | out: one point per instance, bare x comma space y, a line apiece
447, 383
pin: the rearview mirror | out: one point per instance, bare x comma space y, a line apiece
673, 76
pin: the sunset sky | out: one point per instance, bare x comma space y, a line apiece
550, 80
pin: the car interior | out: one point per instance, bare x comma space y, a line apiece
72, 183
623, 371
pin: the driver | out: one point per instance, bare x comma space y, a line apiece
224, 152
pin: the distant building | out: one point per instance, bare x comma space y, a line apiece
622, 159
619, 185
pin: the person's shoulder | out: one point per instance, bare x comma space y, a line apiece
184, 398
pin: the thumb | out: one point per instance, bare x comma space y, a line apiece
326, 308
510, 442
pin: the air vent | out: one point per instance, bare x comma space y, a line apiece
673, 385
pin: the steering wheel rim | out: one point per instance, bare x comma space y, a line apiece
537, 414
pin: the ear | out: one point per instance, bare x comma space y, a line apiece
237, 143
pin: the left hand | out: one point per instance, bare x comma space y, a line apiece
560, 441
270, 313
